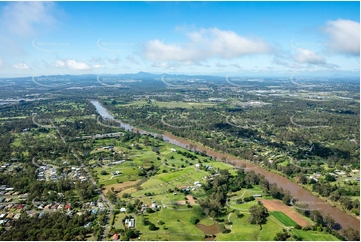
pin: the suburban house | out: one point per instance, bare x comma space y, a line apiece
116, 236
130, 223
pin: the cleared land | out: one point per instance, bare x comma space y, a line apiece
119, 186
190, 200
277, 205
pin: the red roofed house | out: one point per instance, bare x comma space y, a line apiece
116, 236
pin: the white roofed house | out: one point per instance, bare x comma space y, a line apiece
131, 223
17, 216
154, 205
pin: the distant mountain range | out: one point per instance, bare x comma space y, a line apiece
147, 75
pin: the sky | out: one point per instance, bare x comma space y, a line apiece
216, 38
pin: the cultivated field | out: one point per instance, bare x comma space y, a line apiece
277, 205
283, 218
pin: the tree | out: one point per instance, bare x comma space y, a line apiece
302, 179
149, 210
351, 234
286, 198
152, 227
330, 178
346, 202
194, 220
335, 195
206, 211
316, 216
213, 214
282, 236
236, 212
329, 221
259, 214
132, 233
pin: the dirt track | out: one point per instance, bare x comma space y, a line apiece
277, 205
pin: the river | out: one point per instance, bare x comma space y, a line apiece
297, 191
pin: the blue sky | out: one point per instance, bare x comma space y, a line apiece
238, 38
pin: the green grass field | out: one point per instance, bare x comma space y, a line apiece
242, 230
13, 118
313, 235
223, 166
243, 206
242, 194
160, 184
177, 225
283, 218
206, 221
175, 104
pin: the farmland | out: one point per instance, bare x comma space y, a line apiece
283, 218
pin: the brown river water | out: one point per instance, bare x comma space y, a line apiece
297, 191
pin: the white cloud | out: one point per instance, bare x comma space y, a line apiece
21, 66
166, 65
304, 58
204, 44
59, 63
97, 62
308, 56
344, 36
1, 63
21, 18
98, 66
74, 65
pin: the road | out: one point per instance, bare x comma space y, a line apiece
34, 163
40, 125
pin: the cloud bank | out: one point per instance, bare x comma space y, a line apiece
205, 44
